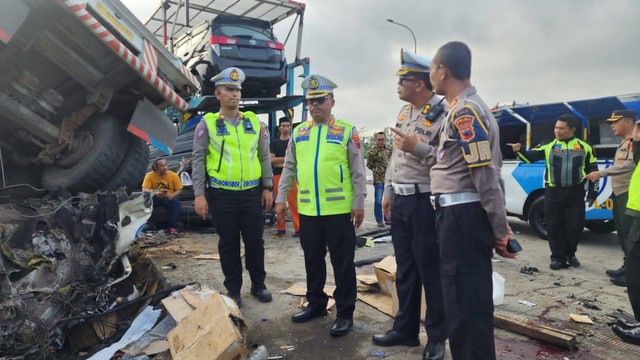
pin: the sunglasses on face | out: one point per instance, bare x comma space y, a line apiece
403, 79
317, 101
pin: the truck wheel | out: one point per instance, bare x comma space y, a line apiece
102, 144
536, 218
131, 171
601, 226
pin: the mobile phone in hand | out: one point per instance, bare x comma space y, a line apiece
513, 246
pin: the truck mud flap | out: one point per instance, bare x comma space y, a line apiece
12, 15
153, 126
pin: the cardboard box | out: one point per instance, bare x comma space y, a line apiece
214, 330
385, 272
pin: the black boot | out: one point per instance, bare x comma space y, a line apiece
631, 335
616, 273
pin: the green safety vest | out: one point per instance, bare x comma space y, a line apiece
232, 159
633, 204
561, 158
324, 178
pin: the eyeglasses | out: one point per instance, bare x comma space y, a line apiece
403, 79
317, 101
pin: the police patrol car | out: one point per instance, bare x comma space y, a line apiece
532, 125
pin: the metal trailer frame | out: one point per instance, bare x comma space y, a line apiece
173, 18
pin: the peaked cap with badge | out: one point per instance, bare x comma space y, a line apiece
623, 114
318, 86
412, 63
230, 77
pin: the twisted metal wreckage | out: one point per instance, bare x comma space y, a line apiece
63, 261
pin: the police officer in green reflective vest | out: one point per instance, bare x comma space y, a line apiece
568, 159
232, 173
325, 154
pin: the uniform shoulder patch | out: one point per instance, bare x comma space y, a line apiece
356, 140
200, 132
474, 137
263, 130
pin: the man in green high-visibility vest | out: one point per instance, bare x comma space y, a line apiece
231, 156
325, 156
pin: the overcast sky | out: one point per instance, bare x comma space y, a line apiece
523, 50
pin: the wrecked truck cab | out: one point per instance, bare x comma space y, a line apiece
82, 89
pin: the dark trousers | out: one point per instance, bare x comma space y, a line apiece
633, 268
564, 212
466, 247
622, 220
336, 232
235, 213
415, 243
173, 207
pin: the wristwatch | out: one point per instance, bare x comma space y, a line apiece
270, 188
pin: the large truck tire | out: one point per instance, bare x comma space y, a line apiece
133, 167
537, 219
97, 160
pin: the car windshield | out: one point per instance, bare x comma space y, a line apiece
240, 31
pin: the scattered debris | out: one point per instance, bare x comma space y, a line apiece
536, 331
580, 318
368, 261
377, 354
207, 257
260, 353
300, 289
528, 303
383, 239
529, 270
588, 303
142, 323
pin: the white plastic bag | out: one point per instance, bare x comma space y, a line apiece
498, 288
186, 179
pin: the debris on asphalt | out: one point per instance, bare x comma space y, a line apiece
583, 319
533, 330
207, 257
377, 354
382, 240
588, 303
528, 303
529, 270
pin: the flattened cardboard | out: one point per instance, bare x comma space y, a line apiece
300, 289
367, 279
